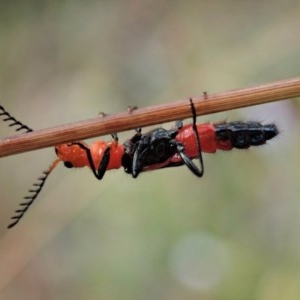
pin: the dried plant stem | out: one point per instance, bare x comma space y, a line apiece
206, 104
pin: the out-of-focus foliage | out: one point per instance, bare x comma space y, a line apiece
234, 234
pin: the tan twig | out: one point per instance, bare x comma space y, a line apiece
206, 104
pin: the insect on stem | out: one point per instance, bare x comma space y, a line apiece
156, 149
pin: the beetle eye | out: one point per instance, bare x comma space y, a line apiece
68, 164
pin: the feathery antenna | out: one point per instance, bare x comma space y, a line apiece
37, 186
34, 192
13, 121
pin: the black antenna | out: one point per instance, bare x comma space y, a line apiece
34, 192
13, 121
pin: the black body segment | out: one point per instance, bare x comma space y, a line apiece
245, 134
158, 146
152, 147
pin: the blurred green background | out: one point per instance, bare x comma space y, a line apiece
234, 234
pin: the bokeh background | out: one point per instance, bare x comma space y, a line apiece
234, 234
